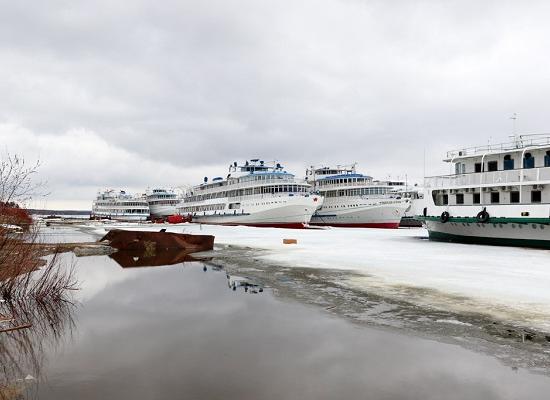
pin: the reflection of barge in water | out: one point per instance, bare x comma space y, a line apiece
151, 241
143, 258
149, 249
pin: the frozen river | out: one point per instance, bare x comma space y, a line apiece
508, 283
351, 313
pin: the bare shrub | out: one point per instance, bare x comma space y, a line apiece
16, 183
35, 306
23, 271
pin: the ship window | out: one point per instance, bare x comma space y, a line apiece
536, 196
514, 197
476, 198
508, 162
492, 166
460, 198
547, 159
445, 199
477, 167
495, 197
528, 161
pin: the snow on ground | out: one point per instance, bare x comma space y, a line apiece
507, 282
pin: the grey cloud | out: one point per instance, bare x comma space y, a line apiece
196, 85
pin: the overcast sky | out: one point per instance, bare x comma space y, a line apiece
147, 93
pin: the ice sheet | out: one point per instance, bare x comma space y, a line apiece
507, 282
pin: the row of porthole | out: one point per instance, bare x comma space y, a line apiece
264, 204
345, 206
339, 217
520, 226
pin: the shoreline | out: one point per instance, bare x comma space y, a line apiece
362, 298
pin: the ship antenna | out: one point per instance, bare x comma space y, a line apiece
514, 117
424, 162
517, 138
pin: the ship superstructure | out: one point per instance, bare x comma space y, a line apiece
119, 205
498, 194
254, 194
355, 200
163, 202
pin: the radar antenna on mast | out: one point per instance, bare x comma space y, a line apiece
516, 138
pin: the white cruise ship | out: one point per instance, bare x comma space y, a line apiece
401, 189
162, 202
355, 200
252, 194
499, 194
120, 206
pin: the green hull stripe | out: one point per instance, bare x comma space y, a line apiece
493, 220
447, 237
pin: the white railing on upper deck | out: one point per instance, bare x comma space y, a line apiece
347, 185
519, 143
250, 184
268, 196
531, 176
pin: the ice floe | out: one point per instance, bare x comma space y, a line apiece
508, 282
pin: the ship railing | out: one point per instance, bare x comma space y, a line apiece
250, 184
531, 176
349, 185
268, 196
520, 142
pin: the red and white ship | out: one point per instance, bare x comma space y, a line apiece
162, 202
355, 200
253, 194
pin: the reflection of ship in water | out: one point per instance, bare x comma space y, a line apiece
247, 284
144, 258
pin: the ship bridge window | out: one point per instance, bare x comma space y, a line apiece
492, 166
547, 159
477, 167
528, 161
460, 168
508, 162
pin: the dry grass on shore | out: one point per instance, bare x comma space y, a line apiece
24, 273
